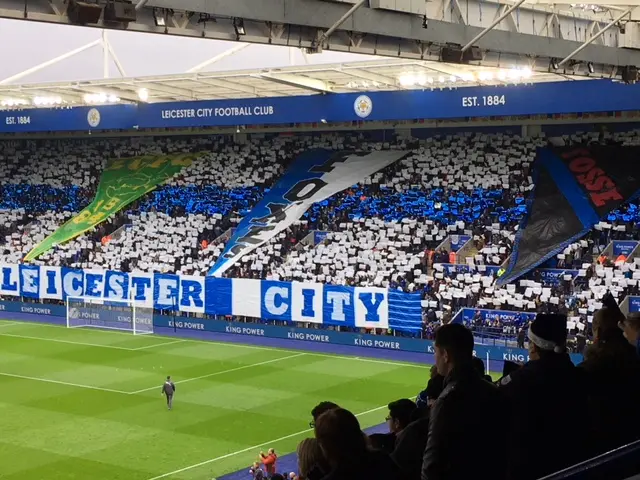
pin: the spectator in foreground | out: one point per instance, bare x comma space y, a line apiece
544, 395
411, 442
428, 396
612, 378
347, 451
400, 415
319, 410
311, 462
460, 415
631, 328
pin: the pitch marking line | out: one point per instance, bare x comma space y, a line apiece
59, 340
8, 324
104, 389
236, 369
255, 447
157, 345
86, 344
58, 382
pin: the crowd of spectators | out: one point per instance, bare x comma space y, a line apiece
537, 419
388, 230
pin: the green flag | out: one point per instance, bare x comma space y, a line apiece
122, 182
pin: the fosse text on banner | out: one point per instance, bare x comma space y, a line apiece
123, 181
575, 187
313, 176
362, 307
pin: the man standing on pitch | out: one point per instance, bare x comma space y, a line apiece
168, 389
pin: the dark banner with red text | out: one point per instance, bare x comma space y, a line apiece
575, 188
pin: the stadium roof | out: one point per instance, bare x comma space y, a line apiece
376, 75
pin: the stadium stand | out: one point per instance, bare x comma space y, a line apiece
441, 222
390, 230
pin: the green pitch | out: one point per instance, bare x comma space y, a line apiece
86, 404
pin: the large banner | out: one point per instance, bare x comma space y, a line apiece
313, 176
122, 182
363, 307
575, 187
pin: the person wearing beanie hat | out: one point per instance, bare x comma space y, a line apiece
545, 394
548, 333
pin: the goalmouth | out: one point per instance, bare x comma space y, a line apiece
122, 315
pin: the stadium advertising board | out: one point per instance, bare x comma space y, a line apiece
456, 268
624, 247
363, 307
550, 98
458, 241
505, 316
634, 304
56, 313
554, 276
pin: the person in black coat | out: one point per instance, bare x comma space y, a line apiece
400, 413
347, 451
460, 414
411, 442
544, 396
612, 378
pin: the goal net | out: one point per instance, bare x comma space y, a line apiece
122, 315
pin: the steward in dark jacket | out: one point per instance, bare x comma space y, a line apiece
547, 400
467, 423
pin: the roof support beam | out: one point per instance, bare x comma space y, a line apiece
227, 53
48, 63
339, 23
298, 81
504, 15
596, 36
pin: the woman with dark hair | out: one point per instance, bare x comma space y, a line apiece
612, 378
347, 451
311, 462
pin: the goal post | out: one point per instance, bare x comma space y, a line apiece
123, 315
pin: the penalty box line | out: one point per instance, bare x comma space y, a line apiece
254, 447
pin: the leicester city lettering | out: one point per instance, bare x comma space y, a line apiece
235, 111
363, 307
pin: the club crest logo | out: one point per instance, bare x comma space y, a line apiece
363, 106
93, 117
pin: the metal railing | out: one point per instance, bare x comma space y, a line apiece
619, 464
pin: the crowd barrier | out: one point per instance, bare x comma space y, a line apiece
29, 311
